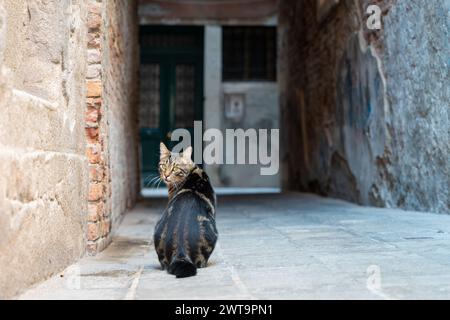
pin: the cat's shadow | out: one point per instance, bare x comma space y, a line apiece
158, 267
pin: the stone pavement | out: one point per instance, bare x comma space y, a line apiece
273, 246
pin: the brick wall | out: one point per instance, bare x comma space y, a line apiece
99, 211
365, 114
111, 117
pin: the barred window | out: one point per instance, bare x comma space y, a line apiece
249, 53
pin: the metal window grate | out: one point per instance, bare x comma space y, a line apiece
249, 53
185, 96
150, 96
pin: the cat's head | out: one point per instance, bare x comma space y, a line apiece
174, 168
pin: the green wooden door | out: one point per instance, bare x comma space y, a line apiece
171, 89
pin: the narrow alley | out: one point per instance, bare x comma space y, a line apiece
290, 246
341, 106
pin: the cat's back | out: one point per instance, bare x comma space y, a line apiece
188, 224
192, 206
197, 185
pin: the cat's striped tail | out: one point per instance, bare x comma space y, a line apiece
182, 266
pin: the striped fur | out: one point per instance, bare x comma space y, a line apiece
186, 234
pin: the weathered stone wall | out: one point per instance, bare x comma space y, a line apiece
68, 132
43, 167
366, 113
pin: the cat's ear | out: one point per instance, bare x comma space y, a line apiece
187, 154
164, 152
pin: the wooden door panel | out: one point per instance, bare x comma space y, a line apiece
171, 88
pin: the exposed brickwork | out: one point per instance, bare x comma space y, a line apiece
313, 47
111, 116
96, 134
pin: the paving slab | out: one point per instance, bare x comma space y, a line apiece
274, 246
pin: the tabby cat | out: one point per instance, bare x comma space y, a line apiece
186, 234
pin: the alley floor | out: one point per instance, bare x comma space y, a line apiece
275, 246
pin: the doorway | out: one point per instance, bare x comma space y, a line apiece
171, 85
